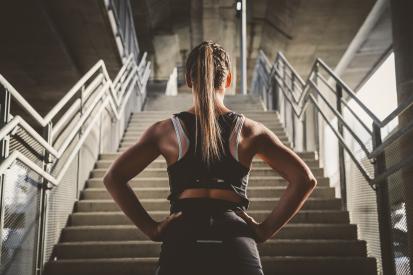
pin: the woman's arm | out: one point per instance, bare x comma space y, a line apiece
291, 167
130, 163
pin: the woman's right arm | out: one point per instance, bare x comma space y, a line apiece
291, 167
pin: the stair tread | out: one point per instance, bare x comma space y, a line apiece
165, 200
306, 211
270, 241
123, 226
167, 188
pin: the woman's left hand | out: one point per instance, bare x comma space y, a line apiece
262, 233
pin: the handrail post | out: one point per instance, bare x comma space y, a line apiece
5, 97
315, 114
43, 205
275, 94
292, 111
383, 208
285, 102
311, 117
81, 112
341, 162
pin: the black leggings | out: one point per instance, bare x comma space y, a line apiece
209, 238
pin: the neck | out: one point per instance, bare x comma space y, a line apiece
219, 102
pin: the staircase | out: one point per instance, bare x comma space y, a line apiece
100, 239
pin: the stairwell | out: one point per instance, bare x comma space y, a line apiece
100, 239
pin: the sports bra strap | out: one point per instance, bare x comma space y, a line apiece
237, 131
180, 134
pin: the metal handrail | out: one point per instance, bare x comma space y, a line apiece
299, 104
110, 97
123, 26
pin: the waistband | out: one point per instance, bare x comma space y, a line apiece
204, 205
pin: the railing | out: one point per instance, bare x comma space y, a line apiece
88, 120
281, 88
123, 27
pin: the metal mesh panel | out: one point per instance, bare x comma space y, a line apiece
19, 231
61, 201
108, 143
88, 155
397, 203
361, 204
361, 198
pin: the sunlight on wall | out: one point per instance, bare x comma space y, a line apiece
379, 94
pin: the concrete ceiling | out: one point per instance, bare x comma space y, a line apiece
48, 45
301, 29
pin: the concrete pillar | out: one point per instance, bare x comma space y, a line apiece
196, 22
167, 55
402, 24
219, 25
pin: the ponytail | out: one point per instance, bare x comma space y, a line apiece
202, 67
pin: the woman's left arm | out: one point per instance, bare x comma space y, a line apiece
130, 163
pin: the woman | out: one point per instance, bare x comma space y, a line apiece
208, 150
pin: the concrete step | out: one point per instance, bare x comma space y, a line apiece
131, 232
133, 137
141, 120
256, 113
102, 164
139, 128
119, 218
280, 265
164, 182
161, 172
163, 204
148, 248
163, 192
122, 149
303, 155
144, 122
135, 133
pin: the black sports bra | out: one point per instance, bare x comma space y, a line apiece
189, 171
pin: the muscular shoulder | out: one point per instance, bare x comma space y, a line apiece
157, 130
252, 128
257, 134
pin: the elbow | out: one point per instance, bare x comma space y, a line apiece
306, 183
312, 183
107, 179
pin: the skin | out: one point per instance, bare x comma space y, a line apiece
255, 139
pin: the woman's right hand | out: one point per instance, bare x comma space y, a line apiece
261, 231
158, 229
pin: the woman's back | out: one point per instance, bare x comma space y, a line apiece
188, 171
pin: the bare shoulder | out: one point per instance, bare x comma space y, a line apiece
268, 147
250, 138
160, 128
256, 131
165, 136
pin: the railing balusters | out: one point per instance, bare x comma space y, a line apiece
341, 162
43, 203
310, 92
5, 98
383, 208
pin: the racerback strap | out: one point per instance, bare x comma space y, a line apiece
236, 133
233, 139
180, 134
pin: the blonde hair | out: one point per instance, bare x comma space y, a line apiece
207, 65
